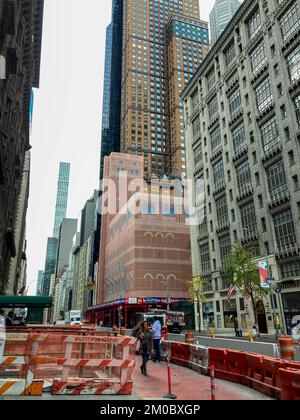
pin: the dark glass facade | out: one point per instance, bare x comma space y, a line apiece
105, 136
62, 197
50, 264
111, 117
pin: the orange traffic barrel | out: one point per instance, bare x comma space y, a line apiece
164, 333
287, 350
122, 331
189, 338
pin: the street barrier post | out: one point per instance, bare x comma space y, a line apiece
213, 382
169, 395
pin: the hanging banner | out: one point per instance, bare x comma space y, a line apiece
263, 267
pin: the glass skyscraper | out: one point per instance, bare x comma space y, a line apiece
60, 214
39, 283
105, 137
50, 264
62, 197
111, 116
220, 16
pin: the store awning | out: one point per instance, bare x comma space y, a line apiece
25, 301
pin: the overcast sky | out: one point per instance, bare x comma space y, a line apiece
67, 114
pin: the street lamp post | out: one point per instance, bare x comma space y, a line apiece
166, 283
273, 297
270, 281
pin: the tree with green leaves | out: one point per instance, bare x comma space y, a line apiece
196, 294
243, 274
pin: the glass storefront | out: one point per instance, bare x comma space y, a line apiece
291, 308
230, 313
208, 315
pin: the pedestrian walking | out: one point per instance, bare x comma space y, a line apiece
236, 327
115, 330
9, 319
156, 337
146, 345
255, 331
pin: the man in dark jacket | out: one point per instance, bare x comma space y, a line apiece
9, 319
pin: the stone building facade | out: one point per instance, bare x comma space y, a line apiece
20, 51
243, 139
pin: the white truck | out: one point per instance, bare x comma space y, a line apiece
73, 317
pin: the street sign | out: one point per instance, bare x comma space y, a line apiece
278, 290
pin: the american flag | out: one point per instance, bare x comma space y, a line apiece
247, 294
230, 292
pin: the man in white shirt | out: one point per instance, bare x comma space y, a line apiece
2, 333
156, 337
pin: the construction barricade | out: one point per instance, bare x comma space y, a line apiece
16, 375
180, 354
85, 365
72, 364
290, 384
199, 359
165, 347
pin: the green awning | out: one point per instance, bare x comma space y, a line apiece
25, 301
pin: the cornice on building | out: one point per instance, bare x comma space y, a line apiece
226, 35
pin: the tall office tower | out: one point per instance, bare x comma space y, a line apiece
60, 214
105, 135
50, 264
187, 46
110, 141
243, 131
20, 45
67, 231
39, 283
62, 196
220, 16
155, 48
163, 44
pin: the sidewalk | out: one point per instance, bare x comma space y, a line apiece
186, 384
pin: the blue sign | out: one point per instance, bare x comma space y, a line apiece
278, 290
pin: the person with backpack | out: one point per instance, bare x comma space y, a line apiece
143, 333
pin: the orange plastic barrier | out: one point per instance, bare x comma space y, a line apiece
180, 354
229, 365
263, 374
290, 383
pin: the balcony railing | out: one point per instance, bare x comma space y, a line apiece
279, 196
244, 190
287, 245
207, 287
